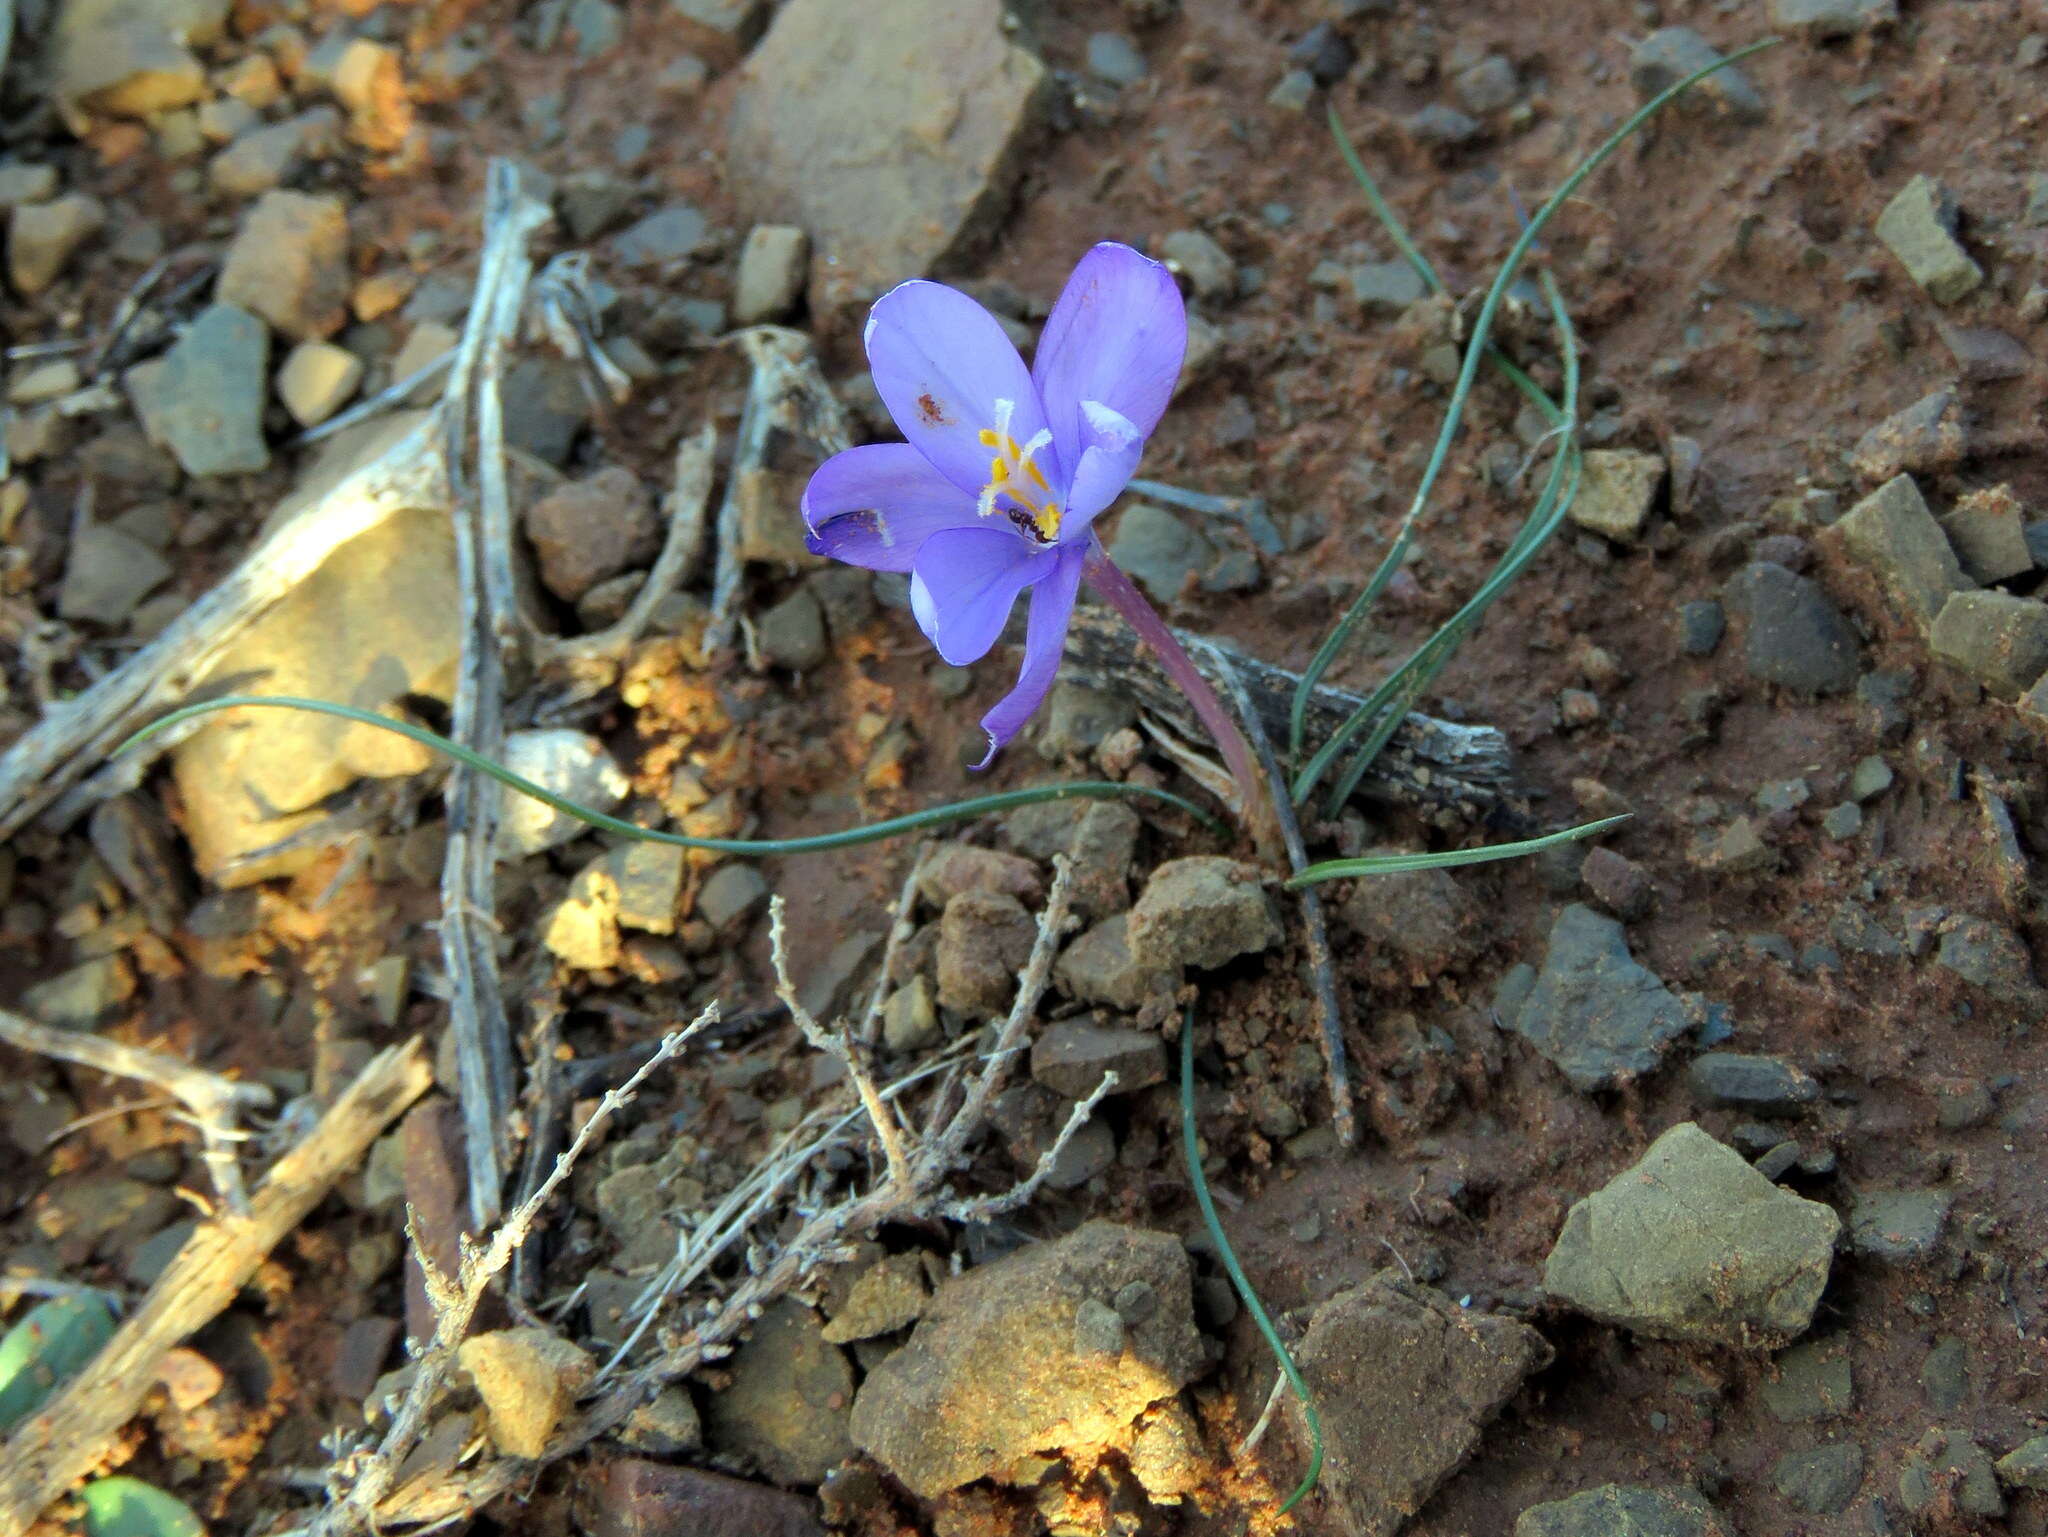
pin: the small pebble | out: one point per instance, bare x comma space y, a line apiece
1843, 821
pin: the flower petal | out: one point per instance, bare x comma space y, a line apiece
1117, 336
1106, 466
964, 584
1052, 603
941, 362
876, 506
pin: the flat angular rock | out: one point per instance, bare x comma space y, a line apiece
1595, 1011
1758, 1084
1071, 1057
2026, 1465
984, 940
1988, 530
791, 1393
1617, 492
1948, 1466
889, 182
575, 766
634, 1498
1898, 1225
41, 238
1892, 532
528, 1379
106, 574
1405, 1382
1793, 635
1693, 1244
211, 391
1925, 438
1918, 227
591, 529
132, 58
773, 265
1998, 638
1423, 916
1097, 967
1815, 1381
1621, 1510
289, 263
1029, 1354
1669, 54
1820, 1482
1825, 19
1202, 911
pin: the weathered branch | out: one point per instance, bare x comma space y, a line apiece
61, 1443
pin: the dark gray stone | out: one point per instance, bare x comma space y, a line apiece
1594, 1011
1669, 54
1793, 635
1820, 1482
1159, 551
1760, 1085
1701, 625
1898, 1225
210, 393
1620, 1510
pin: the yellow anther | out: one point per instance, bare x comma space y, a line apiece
989, 438
998, 471
1048, 522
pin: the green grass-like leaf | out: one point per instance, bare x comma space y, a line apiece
1192, 1148
1448, 859
1476, 352
894, 827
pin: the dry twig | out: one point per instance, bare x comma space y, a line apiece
61, 1443
212, 1100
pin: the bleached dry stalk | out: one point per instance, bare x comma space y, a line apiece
900, 929
62, 1442
211, 1099
454, 1300
918, 1192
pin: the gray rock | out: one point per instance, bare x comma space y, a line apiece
1487, 86
1114, 57
1898, 1225
1824, 19
1871, 777
1325, 52
209, 392
1388, 1445
2026, 1466
993, 1370
1987, 529
1203, 911
596, 25
910, 1017
1892, 532
1949, 1463
1617, 492
1945, 1375
1925, 438
894, 196
129, 60
267, 156
1388, 287
1821, 1482
1159, 551
984, 940
1071, 1057
82, 997
571, 764
1814, 1382
546, 407
1984, 354
790, 1399
666, 1425
289, 263
1999, 639
592, 201
1793, 635
1445, 127
43, 237
1843, 821
732, 894
952, 868
316, 380
591, 529
665, 237
1097, 967
1918, 227
106, 574
1993, 957
773, 265
739, 21
792, 632
1594, 1011
1205, 264
1760, 1085
1078, 718
1701, 625
828, 985
1693, 1244
23, 183
1669, 54
1622, 1510
1293, 91
649, 881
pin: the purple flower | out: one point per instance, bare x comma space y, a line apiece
1005, 470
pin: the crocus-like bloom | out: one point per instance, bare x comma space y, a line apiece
1005, 469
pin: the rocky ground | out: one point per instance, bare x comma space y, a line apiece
1699, 1180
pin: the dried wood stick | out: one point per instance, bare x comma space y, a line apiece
60, 1444
1454, 775
212, 1099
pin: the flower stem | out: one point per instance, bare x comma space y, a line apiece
1254, 794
